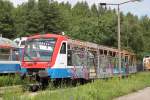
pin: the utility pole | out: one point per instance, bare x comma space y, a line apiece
118, 32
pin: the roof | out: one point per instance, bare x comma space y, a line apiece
48, 35
7, 43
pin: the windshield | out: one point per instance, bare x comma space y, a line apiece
39, 49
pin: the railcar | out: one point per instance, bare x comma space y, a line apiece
146, 62
51, 56
9, 59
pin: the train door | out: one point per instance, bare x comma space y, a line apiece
92, 61
61, 61
123, 65
116, 67
127, 64
130, 64
105, 64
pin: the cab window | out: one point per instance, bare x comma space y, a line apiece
63, 49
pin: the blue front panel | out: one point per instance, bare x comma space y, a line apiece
59, 73
9, 68
23, 70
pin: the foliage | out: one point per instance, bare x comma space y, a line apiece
95, 23
6, 19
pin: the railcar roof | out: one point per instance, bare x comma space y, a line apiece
47, 35
7, 43
57, 36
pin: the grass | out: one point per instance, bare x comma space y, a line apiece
98, 90
9, 80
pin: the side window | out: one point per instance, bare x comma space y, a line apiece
23, 43
63, 49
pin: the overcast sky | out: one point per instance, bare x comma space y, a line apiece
137, 8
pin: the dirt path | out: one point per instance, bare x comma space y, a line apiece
140, 95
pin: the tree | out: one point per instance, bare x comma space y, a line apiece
33, 22
94, 10
95, 24
81, 9
52, 20
6, 19
145, 25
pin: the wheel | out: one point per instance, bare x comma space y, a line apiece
44, 82
34, 88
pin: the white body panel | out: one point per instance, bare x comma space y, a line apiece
61, 60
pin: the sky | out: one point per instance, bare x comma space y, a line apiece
137, 8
